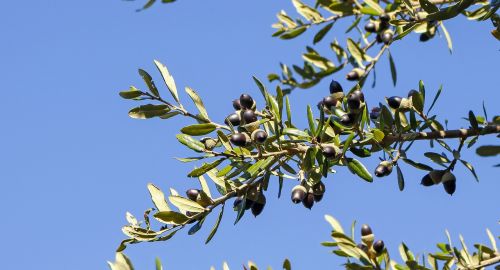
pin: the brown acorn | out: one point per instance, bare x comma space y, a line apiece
355, 74
394, 102
234, 119
308, 201
366, 230
299, 193
192, 194
383, 169
259, 136
246, 101
449, 183
239, 139
378, 246
258, 206
237, 104
335, 87
427, 181
329, 102
355, 100
249, 116
348, 119
329, 152
375, 113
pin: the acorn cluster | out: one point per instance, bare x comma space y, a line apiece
445, 177
308, 195
381, 26
255, 201
368, 244
245, 121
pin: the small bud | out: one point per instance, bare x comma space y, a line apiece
246, 101
249, 116
308, 201
383, 169
239, 139
192, 194
366, 230
375, 113
449, 183
394, 102
299, 193
335, 87
379, 246
237, 104
234, 119
259, 136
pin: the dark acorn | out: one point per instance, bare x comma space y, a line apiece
352, 76
236, 104
371, 27
394, 102
385, 18
308, 201
329, 152
335, 87
258, 206
347, 119
248, 204
375, 113
237, 202
449, 183
298, 194
318, 198
427, 181
192, 194
329, 102
424, 37
239, 139
366, 230
378, 246
412, 92
259, 136
355, 99
320, 105
249, 116
319, 188
234, 119
363, 247
383, 26
383, 169
246, 101
378, 39
387, 37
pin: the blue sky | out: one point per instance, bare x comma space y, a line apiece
73, 162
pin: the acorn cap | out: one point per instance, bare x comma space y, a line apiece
406, 104
299, 193
368, 239
338, 96
209, 143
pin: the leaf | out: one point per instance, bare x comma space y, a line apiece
417, 165
393, 69
198, 102
287, 265
170, 217
190, 142
348, 142
294, 33
450, 11
158, 264
169, 80
359, 169
471, 169
295, 132
158, 198
196, 227
148, 111
437, 157
198, 129
428, 6
492, 240
205, 168
216, 225
310, 119
122, 262
321, 33
355, 51
435, 98
401, 179
488, 150
149, 82
473, 120
131, 93
446, 35
307, 12
334, 223
186, 204
375, 6
204, 186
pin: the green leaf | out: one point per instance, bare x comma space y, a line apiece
393, 69
437, 157
158, 264
205, 168
311, 14
417, 165
122, 262
185, 204
428, 6
198, 102
295, 132
359, 169
450, 11
158, 198
347, 143
149, 82
198, 129
216, 225
492, 240
446, 35
355, 51
190, 142
435, 98
378, 135
169, 80
375, 6
471, 169
310, 119
148, 111
321, 33
401, 179
473, 120
294, 33
488, 150
131, 93
334, 223
170, 217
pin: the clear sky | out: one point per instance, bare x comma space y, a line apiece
73, 162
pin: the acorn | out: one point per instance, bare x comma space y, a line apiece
335, 87
412, 92
299, 193
355, 100
347, 119
192, 194
427, 181
308, 201
375, 113
394, 102
378, 246
424, 37
237, 104
378, 38
237, 202
318, 198
248, 204
258, 206
234, 119
385, 17
355, 74
249, 116
371, 27
259, 136
449, 183
239, 139
329, 102
437, 176
246, 101
329, 152
366, 230
320, 105
318, 191
383, 169
363, 247
387, 37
